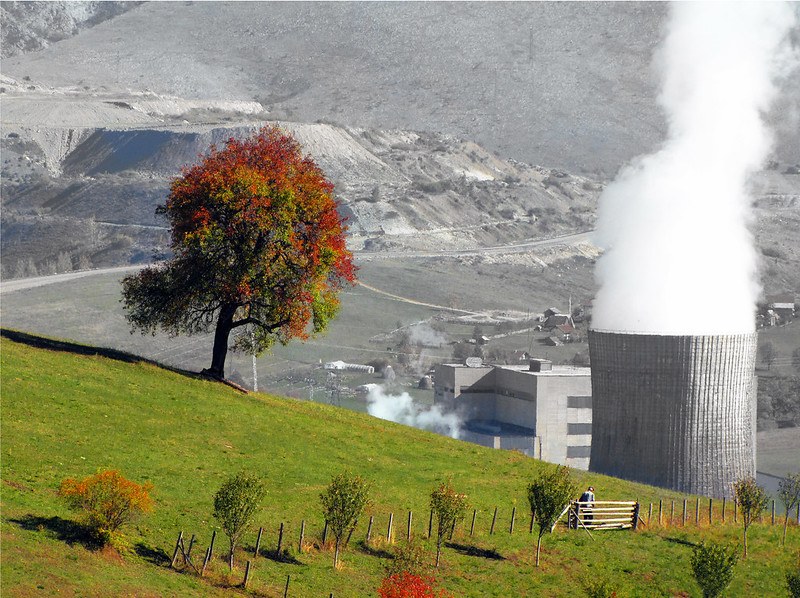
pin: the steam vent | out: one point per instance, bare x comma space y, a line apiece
677, 412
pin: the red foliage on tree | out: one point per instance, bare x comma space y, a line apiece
258, 246
409, 585
107, 500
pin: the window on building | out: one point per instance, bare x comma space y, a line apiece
579, 451
574, 429
579, 402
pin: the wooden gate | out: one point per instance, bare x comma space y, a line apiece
603, 514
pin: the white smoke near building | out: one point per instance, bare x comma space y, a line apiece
679, 258
423, 334
402, 409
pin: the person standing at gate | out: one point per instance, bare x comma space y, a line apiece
587, 497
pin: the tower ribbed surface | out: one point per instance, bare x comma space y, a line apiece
674, 411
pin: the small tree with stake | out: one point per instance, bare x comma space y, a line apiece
235, 505
712, 565
752, 501
447, 507
789, 492
548, 495
343, 501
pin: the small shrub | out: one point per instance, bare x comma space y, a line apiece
409, 585
793, 583
599, 589
447, 506
548, 495
752, 501
789, 493
343, 501
107, 501
408, 557
235, 505
712, 566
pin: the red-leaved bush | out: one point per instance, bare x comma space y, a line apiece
408, 585
107, 501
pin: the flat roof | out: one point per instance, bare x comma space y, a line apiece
558, 370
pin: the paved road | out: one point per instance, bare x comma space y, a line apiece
572, 239
20, 284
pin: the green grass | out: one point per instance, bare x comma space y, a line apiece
65, 415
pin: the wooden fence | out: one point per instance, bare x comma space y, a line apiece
597, 515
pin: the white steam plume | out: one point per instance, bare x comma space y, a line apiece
679, 257
403, 410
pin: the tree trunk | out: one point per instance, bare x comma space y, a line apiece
336, 553
538, 547
230, 555
785, 525
745, 542
221, 334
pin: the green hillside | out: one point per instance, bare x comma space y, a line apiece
68, 415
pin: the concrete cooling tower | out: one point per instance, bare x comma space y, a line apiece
677, 412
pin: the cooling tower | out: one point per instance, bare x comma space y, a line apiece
677, 412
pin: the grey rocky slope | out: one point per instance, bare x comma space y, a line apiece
568, 85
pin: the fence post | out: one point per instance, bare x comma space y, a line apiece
258, 542
302, 533
246, 575
280, 541
408, 527
773, 511
209, 552
710, 512
636, 515
177, 547
369, 527
472, 527
735, 510
494, 520
684, 512
697, 512
430, 524
513, 516
325, 534
649, 514
286, 591
723, 509
660, 509
671, 512
389, 529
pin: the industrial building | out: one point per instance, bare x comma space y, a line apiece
540, 409
674, 411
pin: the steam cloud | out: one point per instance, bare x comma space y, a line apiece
679, 257
403, 410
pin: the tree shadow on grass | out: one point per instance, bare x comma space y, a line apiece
378, 552
681, 541
41, 342
485, 553
283, 557
156, 556
61, 529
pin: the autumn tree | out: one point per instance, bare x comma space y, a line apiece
258, 248
107, 501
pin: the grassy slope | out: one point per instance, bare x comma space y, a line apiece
67, 416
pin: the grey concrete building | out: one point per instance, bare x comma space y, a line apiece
541, 409
674, 411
